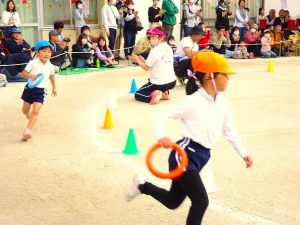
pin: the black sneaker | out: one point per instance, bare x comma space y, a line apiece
110, 66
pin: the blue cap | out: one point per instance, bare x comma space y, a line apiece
15, 30
41, 44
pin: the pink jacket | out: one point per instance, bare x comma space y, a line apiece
266, 44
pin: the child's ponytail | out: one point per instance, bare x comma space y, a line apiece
195, 81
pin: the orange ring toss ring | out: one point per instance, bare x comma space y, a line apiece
174, 173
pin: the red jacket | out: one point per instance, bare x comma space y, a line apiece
204, 42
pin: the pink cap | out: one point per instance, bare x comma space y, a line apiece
158, 32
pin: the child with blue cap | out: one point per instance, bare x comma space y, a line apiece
38, 71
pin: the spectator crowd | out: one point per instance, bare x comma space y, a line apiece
266, 36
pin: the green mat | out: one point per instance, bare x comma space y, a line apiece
73, 71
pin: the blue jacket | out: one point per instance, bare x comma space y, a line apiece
12, 46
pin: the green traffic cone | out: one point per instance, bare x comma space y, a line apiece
131, 148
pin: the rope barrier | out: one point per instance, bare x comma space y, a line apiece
223, 44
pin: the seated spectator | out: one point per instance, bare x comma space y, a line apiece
241, 52
57, 58
204, 41
252, 39
62, 41
143, 46
171, 42
235, 38
221, 42
279, 46
83, 52
266, 42
17, 44
281, 19
13, 73
104, 53
85, 31
188, 46
271, 18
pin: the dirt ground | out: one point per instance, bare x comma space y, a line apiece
73, 172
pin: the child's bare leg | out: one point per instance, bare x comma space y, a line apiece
26, 109
34, 114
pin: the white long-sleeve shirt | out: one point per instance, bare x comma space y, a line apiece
6, 16
190, 14
80, 17
203, 120
110, 15
241, 17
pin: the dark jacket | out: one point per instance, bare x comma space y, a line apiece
152, 12
130, 25
57, 50
12, 46
222, 21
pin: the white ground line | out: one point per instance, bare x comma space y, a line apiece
92, 115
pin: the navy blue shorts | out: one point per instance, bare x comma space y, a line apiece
197, 154
34, 95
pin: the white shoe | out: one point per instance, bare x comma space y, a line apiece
26, 135
134, 190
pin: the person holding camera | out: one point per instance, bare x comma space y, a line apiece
223, 11
191, 13
10, 17
62, 41
17, 44
57, 57
80, 16
155, 14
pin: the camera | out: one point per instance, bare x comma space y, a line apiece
67, 39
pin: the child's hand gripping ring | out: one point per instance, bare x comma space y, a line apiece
174, 173
34, 83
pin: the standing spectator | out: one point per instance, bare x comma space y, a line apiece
221, 42
10, 17
120, 30
110, 17
191, 14
155, 14
223, 11
199, 9
260, 16
252, 39
280, 44
204, 41
235, 38
169, 18
271, 18
266, 42
17, 44
130, 28
80, 17
241, 18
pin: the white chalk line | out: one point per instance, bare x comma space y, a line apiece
92, 114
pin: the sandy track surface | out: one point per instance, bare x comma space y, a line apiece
72, 172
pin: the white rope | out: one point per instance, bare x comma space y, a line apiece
64, 53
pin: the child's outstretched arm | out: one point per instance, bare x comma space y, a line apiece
234, 139
52, 79
28, 75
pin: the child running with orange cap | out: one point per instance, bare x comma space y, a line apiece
205, 114
160, 64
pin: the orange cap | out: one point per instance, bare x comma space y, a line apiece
210, 62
